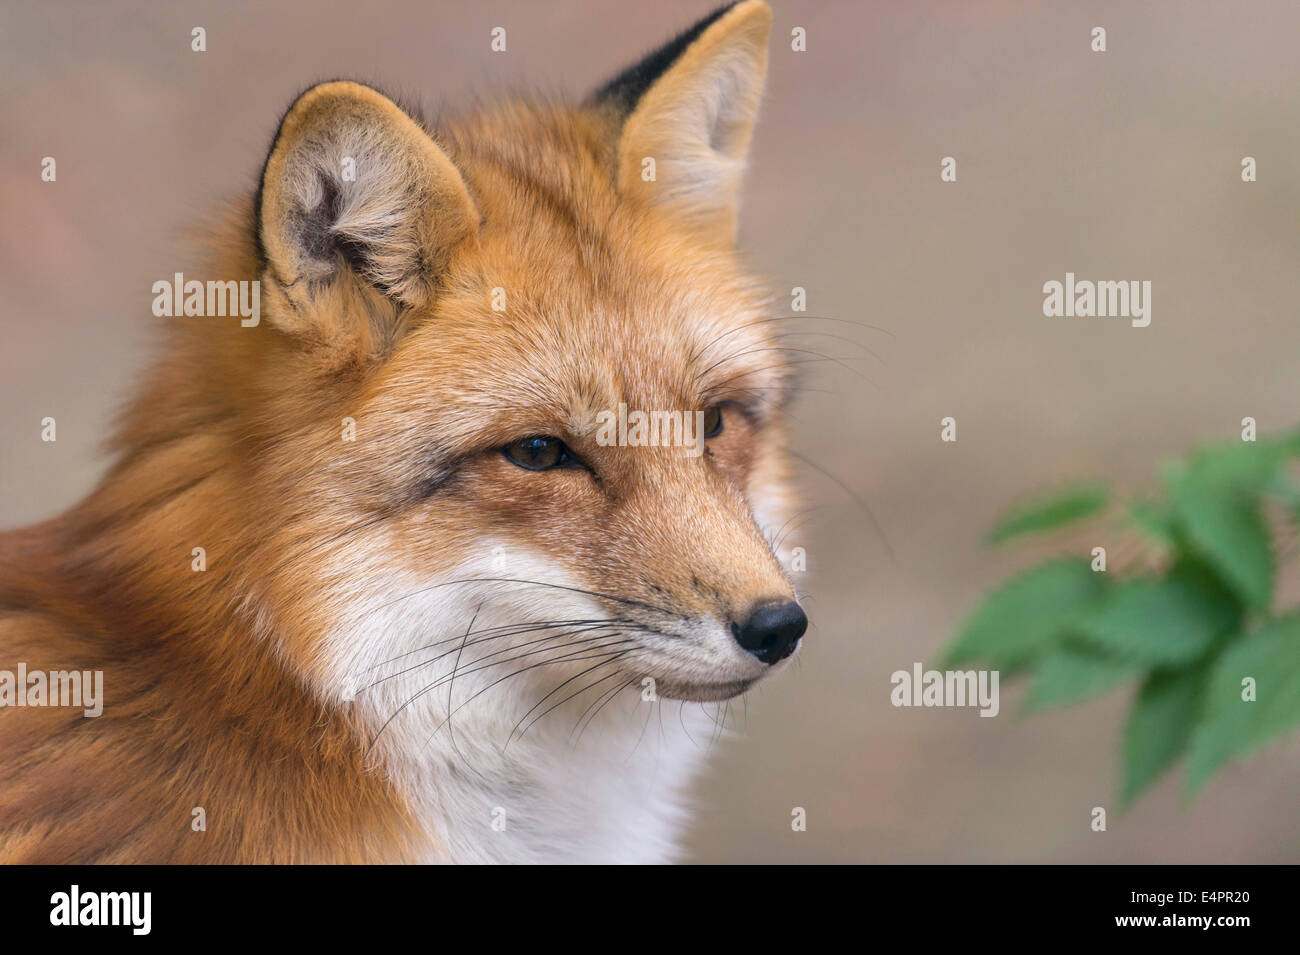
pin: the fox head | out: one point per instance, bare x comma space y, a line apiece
513, 408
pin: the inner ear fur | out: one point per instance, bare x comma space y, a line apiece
354, 188
691, 107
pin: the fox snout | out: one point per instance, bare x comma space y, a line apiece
687, 546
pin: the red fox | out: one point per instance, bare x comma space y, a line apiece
402, 569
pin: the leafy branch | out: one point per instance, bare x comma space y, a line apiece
1217, 667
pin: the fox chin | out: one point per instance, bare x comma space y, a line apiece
368, 581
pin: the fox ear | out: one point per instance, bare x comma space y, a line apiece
355, 189
690, 107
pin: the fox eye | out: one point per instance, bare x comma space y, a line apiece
539, 453
713, 421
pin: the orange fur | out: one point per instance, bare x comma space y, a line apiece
217, 684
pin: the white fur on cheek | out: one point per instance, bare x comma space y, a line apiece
460, 713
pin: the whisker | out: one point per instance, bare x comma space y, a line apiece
786, 318
571, 695
519, 580
451, 685
681, 709
511, 736
852, 495
566, 658
778, 538
504, 630
439, 682
507, 649
601, 702
644, 726
838, 338
817, 356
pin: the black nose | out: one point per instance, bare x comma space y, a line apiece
772, 631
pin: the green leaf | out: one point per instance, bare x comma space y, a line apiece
1028, 614
1223, 525
1217, 496
1049, 511
1070, 673
1286, 490
1164, 621
1246, 466
1232, 727
1156, 519
1160, 725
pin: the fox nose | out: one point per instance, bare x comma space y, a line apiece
772, 631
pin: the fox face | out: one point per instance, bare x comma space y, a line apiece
504, 440
492, 304
509, 482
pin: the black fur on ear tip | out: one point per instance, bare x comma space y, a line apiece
625, 90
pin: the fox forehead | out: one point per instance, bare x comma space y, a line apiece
553, 361
570, 302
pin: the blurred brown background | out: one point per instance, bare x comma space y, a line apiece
1122, 165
